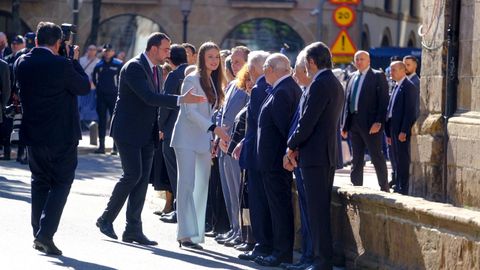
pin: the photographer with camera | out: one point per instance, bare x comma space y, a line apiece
49, 85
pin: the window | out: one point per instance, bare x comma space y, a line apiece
265, 34
6, 24
127, 33
414, 8
388, 6
386, 38
365, 43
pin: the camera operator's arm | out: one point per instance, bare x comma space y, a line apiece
77, 81
5, 84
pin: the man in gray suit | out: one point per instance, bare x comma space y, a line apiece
235, 100
135, 130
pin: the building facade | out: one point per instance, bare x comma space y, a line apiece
260, 24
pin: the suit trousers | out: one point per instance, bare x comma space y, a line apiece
192, 192
53, 171
361, 139
171, 164
230, 177
137, 165
307, 252
318, 182
259, 213
217, 215
278, 188
401, 155
104, 104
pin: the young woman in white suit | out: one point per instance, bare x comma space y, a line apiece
191, 140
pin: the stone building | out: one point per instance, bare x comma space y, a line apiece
260, 24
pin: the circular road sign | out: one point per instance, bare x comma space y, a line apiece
344, 16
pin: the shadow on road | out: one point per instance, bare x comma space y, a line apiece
72, 263
14, 190
189, 258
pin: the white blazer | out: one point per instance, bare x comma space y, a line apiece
191, 129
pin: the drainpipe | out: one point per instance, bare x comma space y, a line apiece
451, 84
399, 21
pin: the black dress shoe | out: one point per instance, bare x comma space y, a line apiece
169, 218
46, 246
225, 240
139, 238
224, 236
245, 247
270, 261
106, 228
211, 234
158, 213
100, 151
190, 244
233, 242
248, 256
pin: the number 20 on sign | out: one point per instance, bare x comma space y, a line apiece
344, 16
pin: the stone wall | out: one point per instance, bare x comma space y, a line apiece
376, 230
463, 181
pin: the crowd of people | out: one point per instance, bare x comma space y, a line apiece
226, 132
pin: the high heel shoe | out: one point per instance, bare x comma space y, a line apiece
189, 244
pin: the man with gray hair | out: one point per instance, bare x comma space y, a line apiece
4, 49
274, 120
257, 201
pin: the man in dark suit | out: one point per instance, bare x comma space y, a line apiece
411, 63
49, 85
274, 120
401, 116
313, 148
135, 131
257, 200
5, 92
168, 117
364, 117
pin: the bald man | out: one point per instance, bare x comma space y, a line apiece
364, 118
401, 115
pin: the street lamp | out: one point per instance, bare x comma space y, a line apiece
185, 7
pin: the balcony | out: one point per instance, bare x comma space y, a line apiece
263, 3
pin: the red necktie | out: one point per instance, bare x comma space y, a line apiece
155, 77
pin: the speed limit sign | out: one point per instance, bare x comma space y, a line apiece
344, 16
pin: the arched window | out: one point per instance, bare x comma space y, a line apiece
127, 33
6, 25
386, 38
265, 34
365, 44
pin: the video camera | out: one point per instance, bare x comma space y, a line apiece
67, 30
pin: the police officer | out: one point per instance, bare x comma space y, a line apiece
105, 77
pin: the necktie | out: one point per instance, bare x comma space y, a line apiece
155, 77
392, 101
353, 95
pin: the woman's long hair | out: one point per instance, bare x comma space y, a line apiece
217, 76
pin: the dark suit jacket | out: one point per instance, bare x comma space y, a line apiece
274, 121
316, 133
248, 156
372, 103
49, 85
135, 116
404, 113
168, 116
416, 81
4, 86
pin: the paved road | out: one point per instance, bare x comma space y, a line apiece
83, 245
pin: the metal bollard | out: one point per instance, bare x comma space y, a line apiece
93, 128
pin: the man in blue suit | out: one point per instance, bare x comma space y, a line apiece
49, 85
411, 63
313, 148
401, 116
276, 113
135, 131
168, 117
257, 200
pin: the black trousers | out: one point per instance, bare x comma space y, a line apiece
6, 128
373, 142
259, 213
136, 165
171, 164
53, 171
318, 182
104, 104
216, 214
278, 188
401, 157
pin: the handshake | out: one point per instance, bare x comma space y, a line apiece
290, 160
